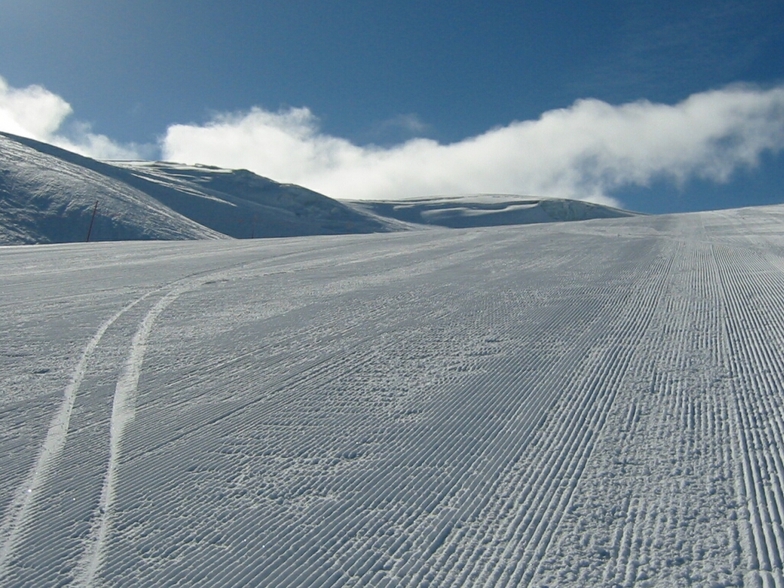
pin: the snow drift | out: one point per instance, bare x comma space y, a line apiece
484, 210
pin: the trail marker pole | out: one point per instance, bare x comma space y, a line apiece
92, 220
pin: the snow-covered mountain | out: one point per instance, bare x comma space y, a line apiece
483, 210
566, 404
48, 195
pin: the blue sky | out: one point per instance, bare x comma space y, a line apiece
396, 99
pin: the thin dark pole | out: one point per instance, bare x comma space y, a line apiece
92, 220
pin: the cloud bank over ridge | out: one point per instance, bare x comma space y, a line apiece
586, 151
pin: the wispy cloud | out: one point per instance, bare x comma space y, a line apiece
585, 151
37, 113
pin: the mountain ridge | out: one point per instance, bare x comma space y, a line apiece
51, 195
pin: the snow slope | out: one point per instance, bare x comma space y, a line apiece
485, 210
48, 196
574, 404
242, 204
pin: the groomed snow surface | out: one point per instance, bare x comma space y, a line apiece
572, 404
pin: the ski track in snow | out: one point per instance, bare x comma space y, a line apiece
51, 448
123, 410
598, 404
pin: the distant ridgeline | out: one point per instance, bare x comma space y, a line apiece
50, 195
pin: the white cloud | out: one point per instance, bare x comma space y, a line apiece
37, 113
585, 151
31, 112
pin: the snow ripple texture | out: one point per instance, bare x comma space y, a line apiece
582, 404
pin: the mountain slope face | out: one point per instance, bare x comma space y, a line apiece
485, 210
241, 204
48, 195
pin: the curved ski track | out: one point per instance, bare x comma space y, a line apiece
598, 404
18, 515
16, 519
